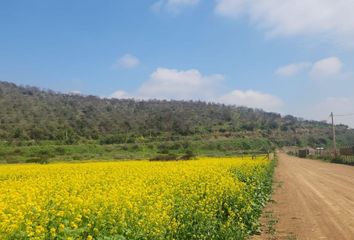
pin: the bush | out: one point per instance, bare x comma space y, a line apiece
77, 157
31, 160
134, 147
165, 157
40, 160
163, 148
112, 139
150, 146
11, 160
60, 150
124, 147
17, 151
188, 155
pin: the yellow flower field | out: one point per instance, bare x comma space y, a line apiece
206, 198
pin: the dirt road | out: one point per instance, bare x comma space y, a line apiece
312, 200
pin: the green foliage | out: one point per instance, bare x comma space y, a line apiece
260, 182
188, 155
30, 116
348, 160
42, 126
186, 149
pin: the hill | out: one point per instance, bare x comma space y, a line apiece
30, 116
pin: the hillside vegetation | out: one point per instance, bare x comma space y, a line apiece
31, 117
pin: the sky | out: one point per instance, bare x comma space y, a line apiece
287, 56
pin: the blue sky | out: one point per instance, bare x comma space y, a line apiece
287, 56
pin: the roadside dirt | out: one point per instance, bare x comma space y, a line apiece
312, 200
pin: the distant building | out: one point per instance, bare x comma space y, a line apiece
320, 151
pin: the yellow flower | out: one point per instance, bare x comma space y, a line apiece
53, 231
61, 227
138, 198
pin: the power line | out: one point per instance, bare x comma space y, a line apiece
344, 115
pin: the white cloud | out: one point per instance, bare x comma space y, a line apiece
230, 8
337, 105
120, 94
323, 69
330, 18
167, 83
173, 6
253, 99
326, 68
292, 69
126, 61
75, 92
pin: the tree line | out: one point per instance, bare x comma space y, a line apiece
31, 115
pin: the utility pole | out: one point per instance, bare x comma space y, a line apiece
334, 135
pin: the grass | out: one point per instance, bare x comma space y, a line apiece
270, 226
340, 159
52, 152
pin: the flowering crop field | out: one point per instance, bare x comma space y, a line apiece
206, 198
